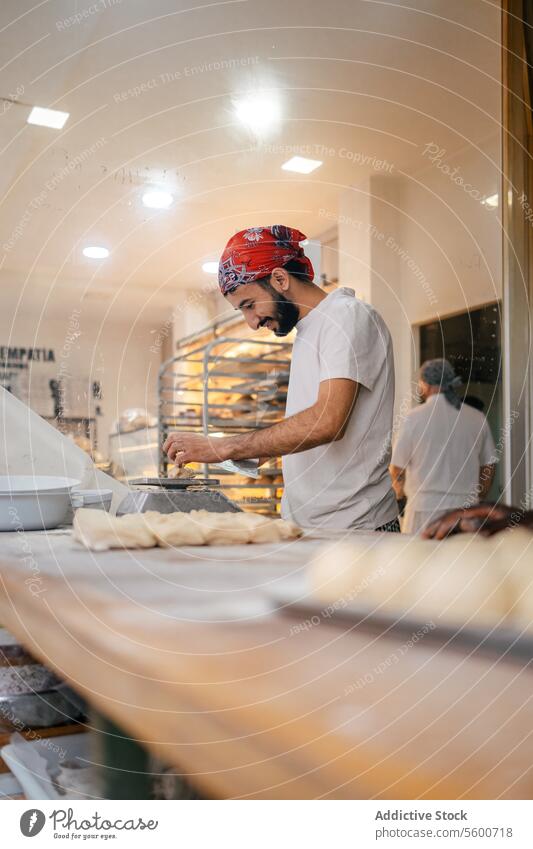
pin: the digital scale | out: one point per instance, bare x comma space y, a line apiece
171, 495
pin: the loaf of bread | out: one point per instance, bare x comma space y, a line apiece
466, 579
99, 531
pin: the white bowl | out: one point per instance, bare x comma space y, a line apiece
35, 483
34, 503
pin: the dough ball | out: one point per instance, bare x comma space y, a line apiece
175, 529
288, 530
463, 582
97, 530
517, 560
226, 529
337, 568
459, 580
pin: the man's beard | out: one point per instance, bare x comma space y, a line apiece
286, 313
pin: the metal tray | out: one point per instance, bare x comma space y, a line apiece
175, 483
498, 641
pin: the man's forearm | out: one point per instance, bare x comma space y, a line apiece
297, 433
322, 423
486, 476
398, 481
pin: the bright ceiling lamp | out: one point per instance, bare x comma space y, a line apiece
96, 252
259, 112
491, 201
210, 267
301, 165
157, 199
48, 117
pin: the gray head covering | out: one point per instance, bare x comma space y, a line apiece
440, 373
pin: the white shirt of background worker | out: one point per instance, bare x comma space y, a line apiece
334, 439
444, 454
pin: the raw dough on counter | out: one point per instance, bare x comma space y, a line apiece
99, 531
178, 472
173, 529
242, 528
464, 579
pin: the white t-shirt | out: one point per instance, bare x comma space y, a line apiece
345, 483
442, 450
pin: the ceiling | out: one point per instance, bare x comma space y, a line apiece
150, 88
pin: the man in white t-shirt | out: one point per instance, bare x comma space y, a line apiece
335, 439
444, 454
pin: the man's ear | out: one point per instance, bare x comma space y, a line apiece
280, 280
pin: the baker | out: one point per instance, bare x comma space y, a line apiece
335, 437
444, 454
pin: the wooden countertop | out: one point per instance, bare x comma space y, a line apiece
184, 650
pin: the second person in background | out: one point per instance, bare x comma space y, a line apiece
444, 453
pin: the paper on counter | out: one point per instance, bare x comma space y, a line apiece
248, 468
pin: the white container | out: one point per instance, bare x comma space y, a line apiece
11, 484
35, 763
34, 502
96, 499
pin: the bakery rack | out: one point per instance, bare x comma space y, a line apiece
224, 385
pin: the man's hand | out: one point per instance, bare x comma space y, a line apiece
184, 448
486, 519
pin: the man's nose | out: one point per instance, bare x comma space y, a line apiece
253, 321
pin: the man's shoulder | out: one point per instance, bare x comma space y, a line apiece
418, 415
345, 304
417, 412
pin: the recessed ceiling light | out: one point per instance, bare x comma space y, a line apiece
48, 117
157, 199
210, 267
95, 252
301, 165
259, 112
491, 201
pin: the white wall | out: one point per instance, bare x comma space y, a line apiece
369, 217
421, 247
454, 237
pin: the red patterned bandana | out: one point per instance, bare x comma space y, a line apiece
256, 252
